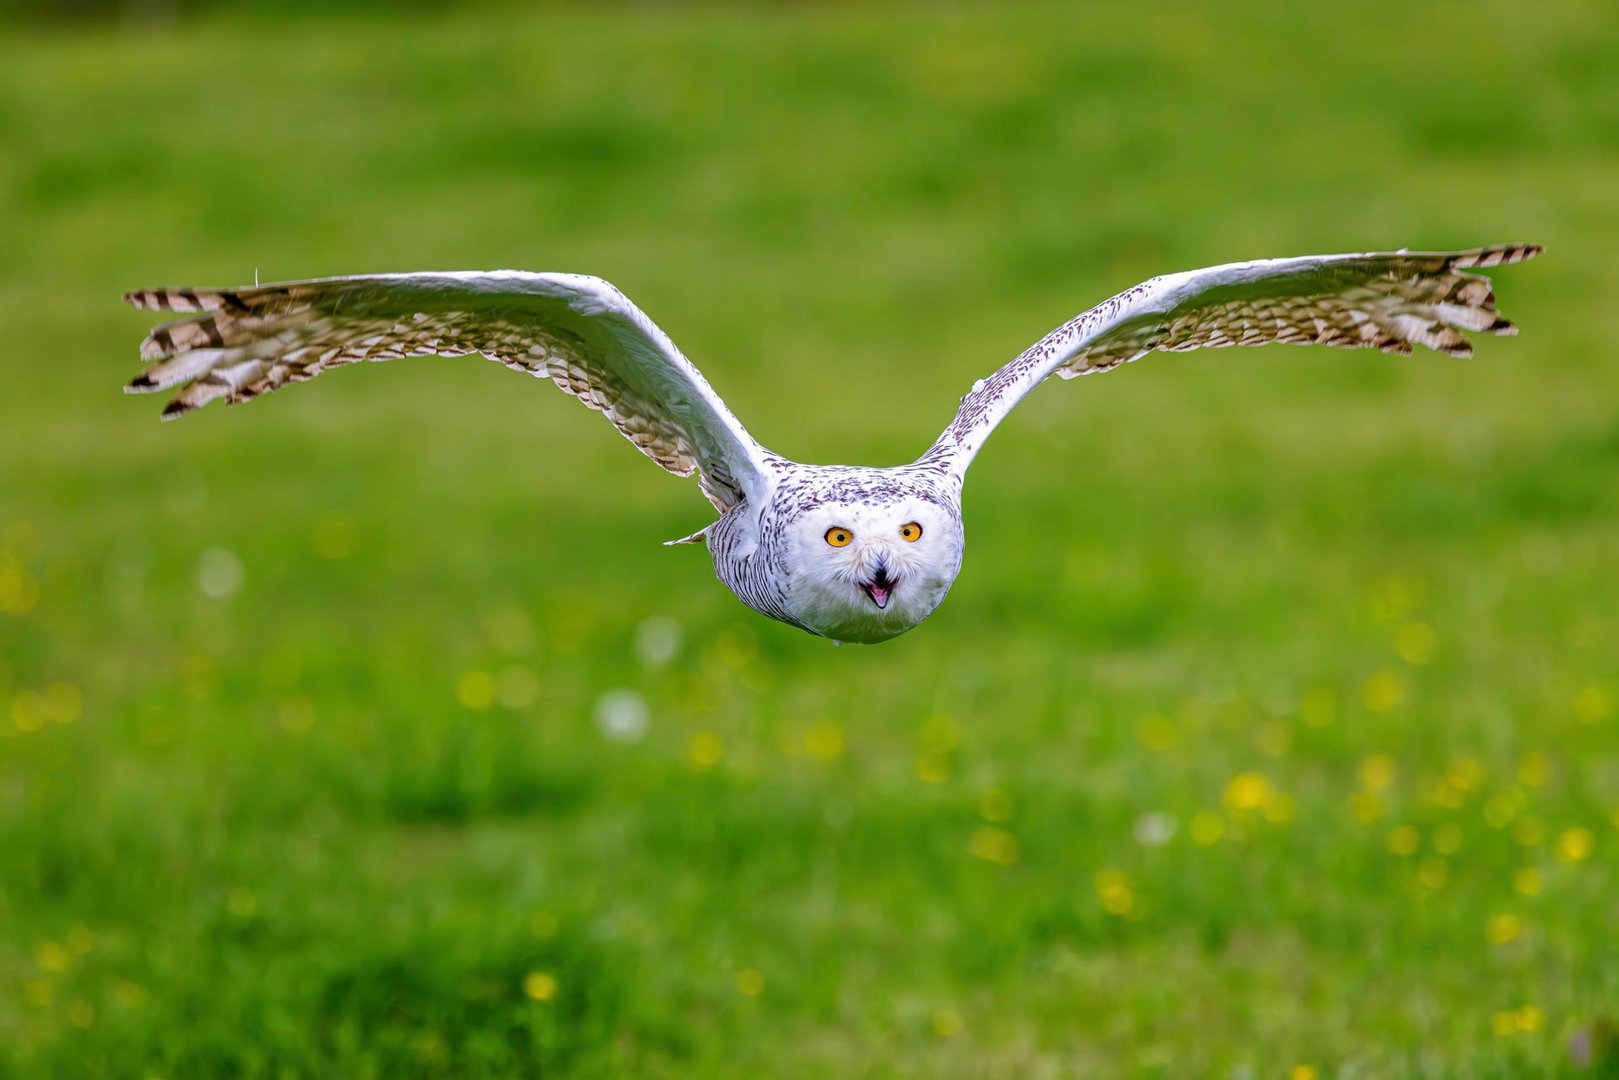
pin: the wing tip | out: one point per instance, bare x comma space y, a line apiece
1498, 255
164, 298
183, 298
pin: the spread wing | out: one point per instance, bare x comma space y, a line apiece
580, 332
1389, 301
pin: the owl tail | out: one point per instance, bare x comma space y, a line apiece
698, 537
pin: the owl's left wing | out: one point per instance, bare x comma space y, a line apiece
579, 332
1388, 301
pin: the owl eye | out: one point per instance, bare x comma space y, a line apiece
910, 531
838, 536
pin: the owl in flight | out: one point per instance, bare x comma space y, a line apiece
847, 552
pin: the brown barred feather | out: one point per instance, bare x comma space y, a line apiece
240, 343
1394, 302
1386, 301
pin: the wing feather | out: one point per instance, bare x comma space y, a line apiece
579, 332
1388, 301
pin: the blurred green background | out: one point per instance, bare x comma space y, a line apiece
1272, 729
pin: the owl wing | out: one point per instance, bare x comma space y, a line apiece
1389, 301
580, 332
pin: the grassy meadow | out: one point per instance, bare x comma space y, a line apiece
1271, 730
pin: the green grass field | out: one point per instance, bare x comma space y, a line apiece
1271, 730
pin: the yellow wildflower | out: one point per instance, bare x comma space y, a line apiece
63, 702
1366, 806
824, 740
1246, 791
1433, 873
476, 689
1416, 643
994, 846
1595, 703
940, 734
28, 711
1273, 739
539, 986
1278, 807
1503, 929
995, 805
932, 767
1382, 691
18, 591
705, 749
1467, 773
1499, 811
51, 957
1376, 771
1534, 770
1446, 794
1574, 845
1114, 889
509, 629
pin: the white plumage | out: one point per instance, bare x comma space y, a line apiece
851, 553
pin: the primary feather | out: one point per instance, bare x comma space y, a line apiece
580, 332
1388, 301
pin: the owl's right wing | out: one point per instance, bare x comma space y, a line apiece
1384, 300
580, 332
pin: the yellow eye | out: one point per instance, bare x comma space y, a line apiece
910, 531
838, 536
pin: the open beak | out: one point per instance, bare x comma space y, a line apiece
880, 587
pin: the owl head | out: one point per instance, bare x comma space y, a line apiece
868, 569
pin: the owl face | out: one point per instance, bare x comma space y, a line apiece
868, 571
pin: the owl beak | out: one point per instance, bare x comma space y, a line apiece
880, 587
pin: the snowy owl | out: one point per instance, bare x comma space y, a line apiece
850, 553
